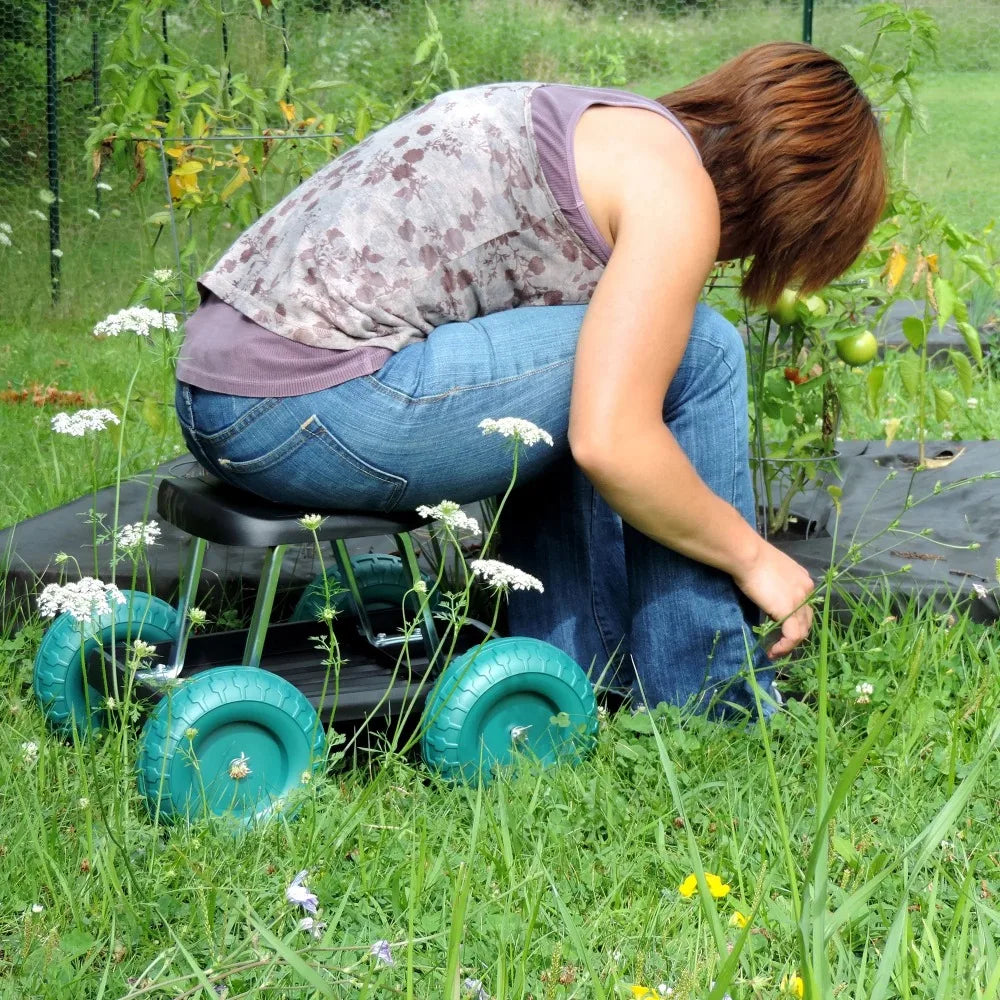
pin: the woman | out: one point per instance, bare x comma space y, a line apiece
539, 251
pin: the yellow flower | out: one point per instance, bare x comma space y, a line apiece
716, 886
794, 986
642, 992
738, 919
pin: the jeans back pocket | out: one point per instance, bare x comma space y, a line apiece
309, 467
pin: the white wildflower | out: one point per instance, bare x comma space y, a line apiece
980, 591
6, 227
77, 424
57, 253
39, 214
29, 752
138, 320
163, 275
864, 691
313, 926
110, 704
239, 767
503, 576
311, 522
46, 197
298, 895
381, 951
664, 990
972, 402
474, 989
94, 213
4, 239
451, 515
83, 599
515, 427
103, 186
37, 908
84, 802
143, 650
132, 536
197, 617
420, 587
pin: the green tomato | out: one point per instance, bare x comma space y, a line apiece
817, 307
784, 311
857, 349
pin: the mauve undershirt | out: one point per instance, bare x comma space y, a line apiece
223, 351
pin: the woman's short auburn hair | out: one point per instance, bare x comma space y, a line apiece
793, 148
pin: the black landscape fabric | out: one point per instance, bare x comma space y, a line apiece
957, 501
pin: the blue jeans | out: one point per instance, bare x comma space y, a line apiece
673, 629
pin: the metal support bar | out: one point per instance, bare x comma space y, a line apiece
52, 132
807, 21
269, 575
427, 627
190, 578
354, 593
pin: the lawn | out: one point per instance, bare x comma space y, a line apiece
853, 836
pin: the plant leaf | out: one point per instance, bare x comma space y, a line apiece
971, 337
943, 402
944, 292
909, 374
915, 331
963, 368
876, 378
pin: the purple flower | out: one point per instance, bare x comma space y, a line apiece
298, 895
381, 951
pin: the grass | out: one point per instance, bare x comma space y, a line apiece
874, 820
568, 879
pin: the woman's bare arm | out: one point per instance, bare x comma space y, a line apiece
661, 212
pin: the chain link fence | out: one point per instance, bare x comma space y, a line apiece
138, 138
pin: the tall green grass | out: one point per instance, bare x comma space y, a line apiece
551, 884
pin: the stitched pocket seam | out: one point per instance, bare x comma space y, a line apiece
314, 430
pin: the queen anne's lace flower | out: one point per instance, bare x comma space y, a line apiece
451, 515
4, 239
84, 599
29, 753
163, 275
132, 536
517, 428
138, 320
503, 576
77, 424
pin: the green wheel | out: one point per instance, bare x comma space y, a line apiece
63, 695
231, 741
506, 698
383, 581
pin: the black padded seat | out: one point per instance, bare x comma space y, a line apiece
209, 509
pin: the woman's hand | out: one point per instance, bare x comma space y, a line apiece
780, 587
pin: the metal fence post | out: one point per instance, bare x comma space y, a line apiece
52, 130
807, 21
